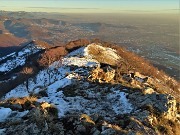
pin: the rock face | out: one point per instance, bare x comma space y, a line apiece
79, 95
100, 75
160, 104
102, 54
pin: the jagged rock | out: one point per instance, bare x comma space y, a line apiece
43, 93
69, 132
33, 129
171, 110
101, 76
148, 91
80, 129
17, 107
95, 131
161, 104
108, 131
141, 78
56, 128
102, 54
45, 105
139, 127
127, 78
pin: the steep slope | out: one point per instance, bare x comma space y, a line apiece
13, 67
82, 93
15, 60
7, 40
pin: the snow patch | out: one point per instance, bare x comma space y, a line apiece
43, 79
18, 59
11, 54
119, 102
2, 131
113, 103
19, 91
4, 113
80, 62
15, 115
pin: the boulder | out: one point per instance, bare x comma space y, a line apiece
102, 54
100, 75
160, 104
108, 131
148, 91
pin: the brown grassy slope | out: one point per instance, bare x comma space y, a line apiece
73, 45
7, 40
51, 55
41, 44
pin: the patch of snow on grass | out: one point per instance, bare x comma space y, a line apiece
4, 113
19, 91
59, 84
2, 131
16, 115
19, 59
43, 79
119, 102
11, 54
80, 62
113, 103
11, 64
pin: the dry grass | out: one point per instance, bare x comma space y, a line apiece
45, 105
21, 100
41, 43
103, 55
167, 127
86, 118
51, 55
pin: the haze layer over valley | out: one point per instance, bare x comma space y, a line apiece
154, 37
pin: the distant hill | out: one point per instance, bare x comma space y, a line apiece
7, 40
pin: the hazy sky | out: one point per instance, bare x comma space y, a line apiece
92, 6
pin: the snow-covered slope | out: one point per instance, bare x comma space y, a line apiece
55, 78
14, 60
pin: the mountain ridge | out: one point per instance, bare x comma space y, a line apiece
81, 93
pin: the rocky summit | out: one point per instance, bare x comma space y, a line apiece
91, 89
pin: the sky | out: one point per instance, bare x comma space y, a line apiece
92, 6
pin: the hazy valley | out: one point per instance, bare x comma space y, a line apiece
154, 37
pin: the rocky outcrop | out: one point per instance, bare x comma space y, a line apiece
101, 76
160, 105
102, 54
